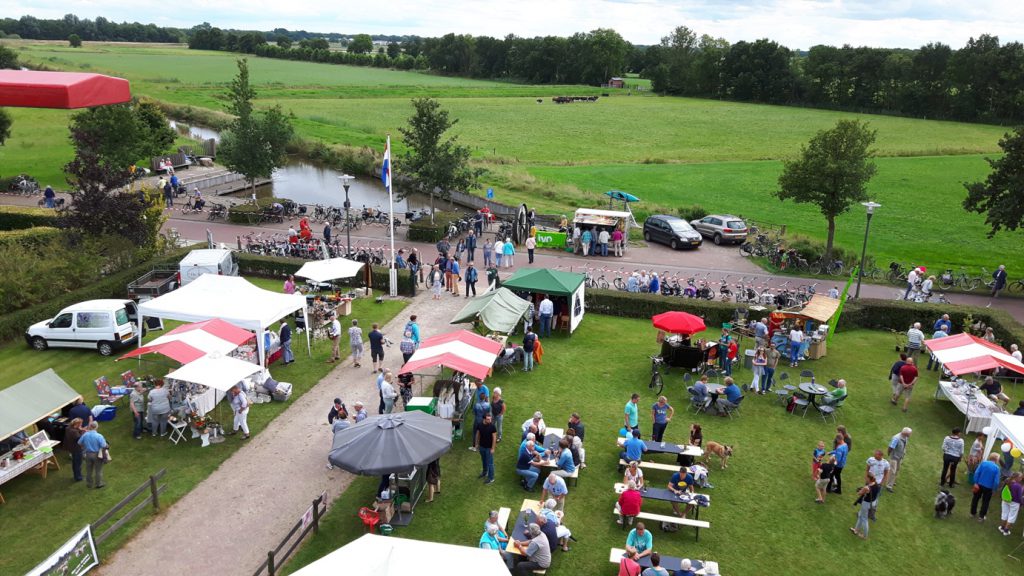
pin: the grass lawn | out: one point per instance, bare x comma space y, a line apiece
63, 507
763, 518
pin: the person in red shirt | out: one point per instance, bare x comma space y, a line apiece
629, 503
905, 386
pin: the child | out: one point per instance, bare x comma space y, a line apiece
816, 458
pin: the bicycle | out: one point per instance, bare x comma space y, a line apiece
657, 382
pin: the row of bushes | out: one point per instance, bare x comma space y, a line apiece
423, 231
278, 267
248, 212
29, 237
864, 313
13, 325
19, 217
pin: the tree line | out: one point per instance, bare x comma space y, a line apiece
100, 29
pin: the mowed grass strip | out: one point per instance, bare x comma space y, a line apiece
763, 516
63, 506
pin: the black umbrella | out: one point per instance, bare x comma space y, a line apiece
391, 443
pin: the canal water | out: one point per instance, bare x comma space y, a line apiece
308, 183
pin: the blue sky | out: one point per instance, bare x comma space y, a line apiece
795, 23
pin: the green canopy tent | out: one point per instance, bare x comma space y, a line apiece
31, 400
499, 310
554, 283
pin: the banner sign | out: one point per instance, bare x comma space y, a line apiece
547, 239
77, 556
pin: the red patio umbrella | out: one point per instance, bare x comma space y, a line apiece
676, 322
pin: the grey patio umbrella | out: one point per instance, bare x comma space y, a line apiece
391, 443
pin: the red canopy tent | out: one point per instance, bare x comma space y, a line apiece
462, 351
219, 328
175, 350
190, 342
65, 90
965, 353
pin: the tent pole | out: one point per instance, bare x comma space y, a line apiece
305, 320
260, 351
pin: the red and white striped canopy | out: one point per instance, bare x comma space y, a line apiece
190, 342
462, 351
965, 353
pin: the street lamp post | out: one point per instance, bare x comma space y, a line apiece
346, 181
864, 250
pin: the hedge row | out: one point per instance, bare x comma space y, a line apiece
279, 267
423, 231
20, 217
244, 213
29, 236
864, 313
13, 325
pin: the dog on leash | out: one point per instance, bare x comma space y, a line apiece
944, 504
723, 451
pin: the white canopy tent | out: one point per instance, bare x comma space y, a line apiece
373, 555
229, 298
331, 269
217, 372
1005, 427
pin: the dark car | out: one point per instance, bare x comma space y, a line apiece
670, 230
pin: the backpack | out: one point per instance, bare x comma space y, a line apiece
669, 527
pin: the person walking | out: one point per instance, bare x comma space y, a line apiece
159, 408
531, 245
998, 280
498, 411
137, 402
488, 249
471, 246
585, 239
896, 451
905, 387
407, 347
915, 340
879, 470
913, 277
1012, 495
486, 439
287, 357
835, 484
70, 443
508, 253
376, 338
866, 497
388, 392
529, 343
546, 310
334, 333
471, 279
499, 250
355, 341
986, 479
240, 408
95, 447
661, 414
952, 452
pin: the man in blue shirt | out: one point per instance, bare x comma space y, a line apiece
661, 412
287, 357
634, 447
986, 479
732, 394
944, 323
554, 488
841, 452
93, 443
526, 467
80, 410
566, 466
632, 414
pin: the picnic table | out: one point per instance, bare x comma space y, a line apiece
552, 437
971, 401
670, 563
527, 513
667, 448
666, 495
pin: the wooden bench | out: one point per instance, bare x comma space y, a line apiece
575, 476
177, 161
653, 466
697, 524
503, 514
670, 563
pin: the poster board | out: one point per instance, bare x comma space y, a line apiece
75, 557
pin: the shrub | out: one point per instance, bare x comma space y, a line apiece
19, 217
637, 305
279, 267
811, 249
29, 237
248, 213
691, 212
423, 231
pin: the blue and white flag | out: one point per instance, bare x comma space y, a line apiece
385, 172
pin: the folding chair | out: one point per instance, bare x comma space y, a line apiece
696, 403
178, 431
807, 374
801, 402
733, 408
827, 411
712, 373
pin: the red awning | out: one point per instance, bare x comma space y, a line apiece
32, 89
462, 351
219, 328
175, 350
965, 353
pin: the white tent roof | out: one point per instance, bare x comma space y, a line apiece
331, 269
229, 298
373, 555
1005, 427
199, 340
217, 372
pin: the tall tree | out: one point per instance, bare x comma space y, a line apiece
5, 125
360, 44
832, 172
1001, 196
254, 143
435, 165
8, 58
124, 133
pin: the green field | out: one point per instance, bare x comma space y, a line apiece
670, 152
763, 516
64, 507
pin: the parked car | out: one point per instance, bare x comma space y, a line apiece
103, 325
722, 228
670, 230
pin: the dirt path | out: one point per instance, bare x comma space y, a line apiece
227, 523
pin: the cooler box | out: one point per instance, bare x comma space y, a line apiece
107, 414
422, 403
283, 392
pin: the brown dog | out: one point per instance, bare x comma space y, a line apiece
723, 451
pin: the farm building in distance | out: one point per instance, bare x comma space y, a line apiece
616, 83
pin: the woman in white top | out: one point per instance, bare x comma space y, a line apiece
389, 393
634, 474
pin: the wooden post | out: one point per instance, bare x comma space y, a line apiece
270, 563
316, 516
153, 493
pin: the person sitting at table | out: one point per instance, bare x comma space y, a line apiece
528, 467
681, 483
994, 390
555, 517
633, 447
566, 466
548, 529
579, 453
639, 543
685, 568
837, 394
530, 437
655, 569
634, 475
489, 540
499, 535
536, 550
555, 488
732, 395
630, 501
538, 422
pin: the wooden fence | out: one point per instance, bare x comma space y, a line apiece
152, 497
308, 522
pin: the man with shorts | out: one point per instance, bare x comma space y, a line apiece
376, 348
355, 338
905, 383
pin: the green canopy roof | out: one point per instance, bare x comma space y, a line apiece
499, 310
31, 400
544, 281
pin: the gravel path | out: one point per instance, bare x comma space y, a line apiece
227, 523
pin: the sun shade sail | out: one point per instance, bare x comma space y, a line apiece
219, 373
331, 269
31, 400
965, 353
500, 310
32, 89
461, 351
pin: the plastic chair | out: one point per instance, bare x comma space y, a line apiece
807, 374
370, 518
826, 412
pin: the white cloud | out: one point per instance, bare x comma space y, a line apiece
794, 23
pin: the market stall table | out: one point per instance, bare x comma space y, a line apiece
39, 461
970, 401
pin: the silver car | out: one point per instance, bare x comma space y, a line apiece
722, 228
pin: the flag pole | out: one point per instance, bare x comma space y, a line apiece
392, 272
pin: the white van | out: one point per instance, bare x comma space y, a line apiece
214, 261
103, 325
